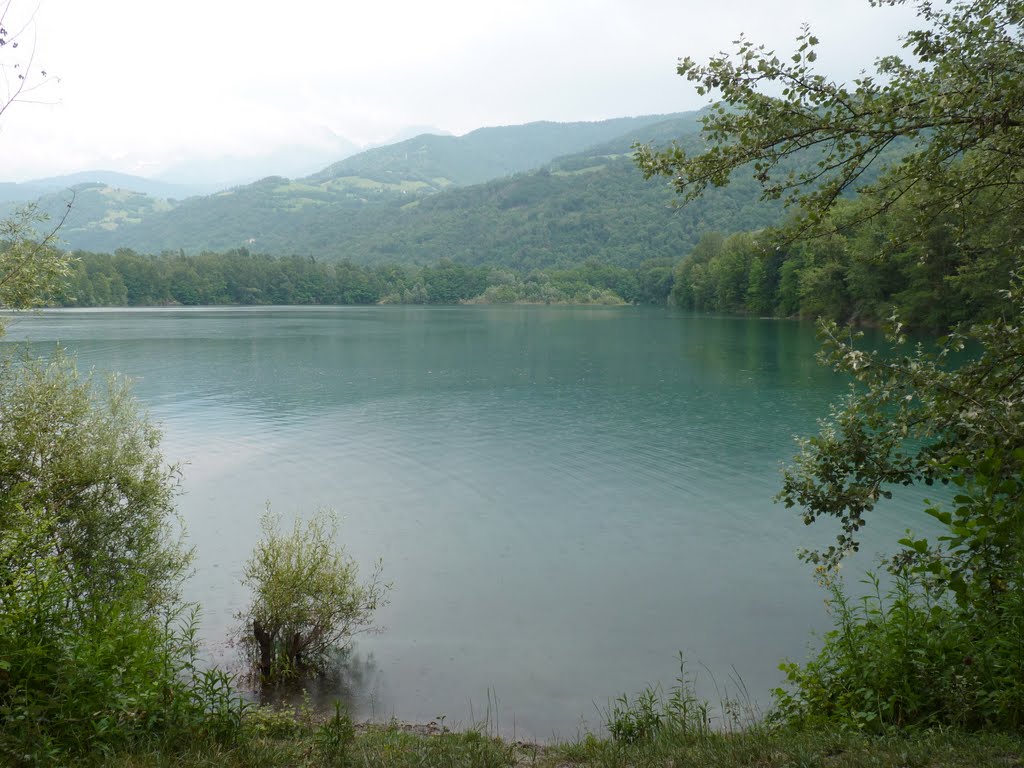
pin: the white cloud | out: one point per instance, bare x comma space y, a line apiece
143, 82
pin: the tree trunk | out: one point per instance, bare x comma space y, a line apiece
265, 643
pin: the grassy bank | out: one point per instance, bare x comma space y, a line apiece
282, 739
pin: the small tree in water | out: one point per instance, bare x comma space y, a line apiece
307, 597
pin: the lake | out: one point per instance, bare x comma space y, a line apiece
564, 498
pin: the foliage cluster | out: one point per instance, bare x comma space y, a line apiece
85, 462
307, 600
935, 234
955, 104
31, 266
951, 415
912, 657
943, 646
96, 653
861, 271
938, 235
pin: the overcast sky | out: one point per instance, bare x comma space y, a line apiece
144, 84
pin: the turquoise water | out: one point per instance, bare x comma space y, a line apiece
564, 498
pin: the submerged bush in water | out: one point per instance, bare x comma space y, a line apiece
307, 597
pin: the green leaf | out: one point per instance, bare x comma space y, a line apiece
942, 516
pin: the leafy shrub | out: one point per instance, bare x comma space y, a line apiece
307, 599
908, 658
83, 459
87, 682
944, 645
96, 653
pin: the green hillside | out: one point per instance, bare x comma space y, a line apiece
593, 208
15, 193
436, 162
107, 209
97, 207
384, 208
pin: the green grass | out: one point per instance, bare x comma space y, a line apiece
797, 749
280, 739
343, 183
284, 740
579, 171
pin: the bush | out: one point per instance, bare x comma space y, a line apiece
945, 645
96, 653
307, 599
31, 266
108, 679
83, 461
912, 657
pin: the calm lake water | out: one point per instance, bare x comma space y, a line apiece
564, 498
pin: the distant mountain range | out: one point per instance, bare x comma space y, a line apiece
435, 162
29, 191
525, 196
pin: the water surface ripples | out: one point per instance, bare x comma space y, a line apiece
563, 498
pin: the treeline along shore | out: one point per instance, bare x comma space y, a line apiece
126, 278
930, 284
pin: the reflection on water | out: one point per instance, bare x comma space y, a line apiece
351, 678
563, 498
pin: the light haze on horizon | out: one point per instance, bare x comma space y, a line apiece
146, 86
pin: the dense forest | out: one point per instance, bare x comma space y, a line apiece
126, 278
863, 268
860, 270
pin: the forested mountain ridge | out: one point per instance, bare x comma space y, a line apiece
106, 206
585, 208
591, 205
435, 162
